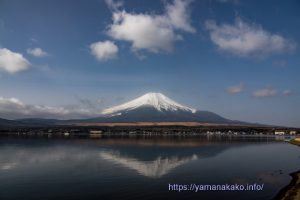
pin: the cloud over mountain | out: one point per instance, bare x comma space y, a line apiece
14, 108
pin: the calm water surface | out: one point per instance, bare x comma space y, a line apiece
42, 169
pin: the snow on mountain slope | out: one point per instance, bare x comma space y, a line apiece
156, 100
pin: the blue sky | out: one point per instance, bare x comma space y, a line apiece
70, 59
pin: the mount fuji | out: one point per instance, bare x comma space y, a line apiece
156, 107
157, 101
151, 107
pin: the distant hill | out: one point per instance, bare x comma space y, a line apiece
7, 122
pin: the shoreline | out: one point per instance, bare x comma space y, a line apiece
292, 190
295, 141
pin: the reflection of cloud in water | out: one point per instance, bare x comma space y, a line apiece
12, 158
153, 169
7, 166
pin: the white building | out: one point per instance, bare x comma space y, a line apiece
279, 132
293, 132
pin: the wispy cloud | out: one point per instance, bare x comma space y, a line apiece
114, 5
265, 92
104, 51
244, 39
37, 52
12, 62
91, 104
235, 88
271, 92
33, 40
154, 33
287, 92
280, 63
179, 15
14, 108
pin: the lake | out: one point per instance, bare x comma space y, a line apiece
143, 168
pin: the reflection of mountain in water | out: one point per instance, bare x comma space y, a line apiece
153, 169
158, 161
150, 153
150, 160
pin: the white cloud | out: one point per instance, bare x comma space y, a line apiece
114, 5
33, 40
179, 15
13, 108
12, 62
245, 39
265, 92
37, 52
104, 50
271, 92
155, 33
235, 88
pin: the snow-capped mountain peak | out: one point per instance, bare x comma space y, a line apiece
156, 100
